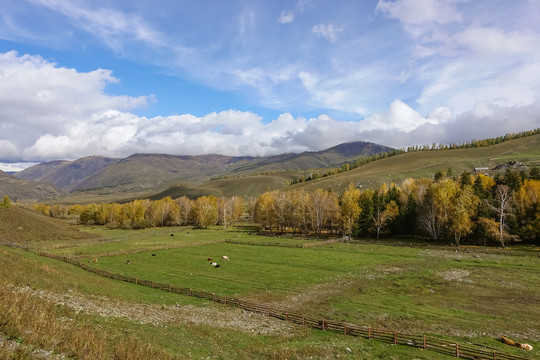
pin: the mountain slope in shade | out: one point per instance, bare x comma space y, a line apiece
66, 175
153, 171
25, 189
331, 157
147, 171
150, 171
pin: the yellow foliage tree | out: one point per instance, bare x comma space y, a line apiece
350, 209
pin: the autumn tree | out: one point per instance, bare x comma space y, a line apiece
463, 211
301, 211
438, 206
205, 211
350, 209
264, 212
6, 202
282, 209
186, 209
383, 215
527, 210
324, 208
229, 210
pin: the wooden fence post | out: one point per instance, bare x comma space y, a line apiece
494, 355
395, 337
170, 288
369, 333
425, 342
136, 281
213, 297
457, 350
344, 329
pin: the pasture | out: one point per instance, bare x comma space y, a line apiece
466, 294
469, 297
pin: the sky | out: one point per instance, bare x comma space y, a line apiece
256, 77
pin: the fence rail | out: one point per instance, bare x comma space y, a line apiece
393, 337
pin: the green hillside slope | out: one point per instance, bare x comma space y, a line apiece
426, 163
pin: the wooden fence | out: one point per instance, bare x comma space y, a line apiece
393, 337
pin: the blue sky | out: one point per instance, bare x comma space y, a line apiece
112, 78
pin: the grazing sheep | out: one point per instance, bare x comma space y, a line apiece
220, 265
128, 262
172, 234
213, 263
210, 259
225, 257
153, 254
94, 260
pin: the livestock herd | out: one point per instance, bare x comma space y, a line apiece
215, 264
212, 262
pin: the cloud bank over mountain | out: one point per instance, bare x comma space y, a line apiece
259, 78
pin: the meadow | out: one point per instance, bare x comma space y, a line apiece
467, 296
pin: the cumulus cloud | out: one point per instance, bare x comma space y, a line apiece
419, 12
402, 117
327, 31
38, 99
50, 113
286, 17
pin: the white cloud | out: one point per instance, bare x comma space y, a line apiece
419, 12
327, 31
14, 167
39, 100
113, 26
493, 41
286, 17
402, 118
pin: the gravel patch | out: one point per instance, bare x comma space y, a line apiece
455, 275
156, 315
11, 347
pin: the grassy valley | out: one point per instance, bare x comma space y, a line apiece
469, 296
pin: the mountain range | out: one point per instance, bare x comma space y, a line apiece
151, 173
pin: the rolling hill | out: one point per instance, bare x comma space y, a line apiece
18, 189
396, 168
149, 172
66, 175
425, 163
156, 175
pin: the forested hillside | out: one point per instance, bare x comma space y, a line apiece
472, 208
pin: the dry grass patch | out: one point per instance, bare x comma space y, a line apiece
156, 315
37, 324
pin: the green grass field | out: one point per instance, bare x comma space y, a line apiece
469, 297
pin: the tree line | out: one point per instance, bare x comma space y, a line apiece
474, 208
